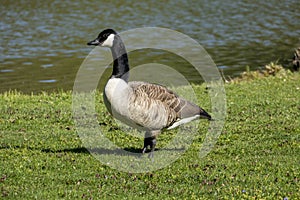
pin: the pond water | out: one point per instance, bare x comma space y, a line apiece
43, 43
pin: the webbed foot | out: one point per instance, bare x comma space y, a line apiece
149, 141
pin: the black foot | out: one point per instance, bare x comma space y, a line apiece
149, 141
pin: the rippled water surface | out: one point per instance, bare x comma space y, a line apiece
43, 43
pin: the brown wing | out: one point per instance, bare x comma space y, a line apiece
153, 106
159, 93
157, 107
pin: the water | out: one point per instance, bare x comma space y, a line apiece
43, 43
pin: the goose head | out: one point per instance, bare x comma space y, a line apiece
104, 39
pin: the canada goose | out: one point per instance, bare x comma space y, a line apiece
145, 106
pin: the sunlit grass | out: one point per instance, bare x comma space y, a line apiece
256, 157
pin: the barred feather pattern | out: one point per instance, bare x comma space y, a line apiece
153, 106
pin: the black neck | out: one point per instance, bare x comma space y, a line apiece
119, 54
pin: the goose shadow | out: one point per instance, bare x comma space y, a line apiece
104, 151
94, 150
83, 150
100, 151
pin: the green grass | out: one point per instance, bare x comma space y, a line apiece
257, 155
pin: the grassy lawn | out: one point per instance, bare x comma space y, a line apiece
257, 155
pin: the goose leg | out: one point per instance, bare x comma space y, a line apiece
149, 140
145, 146
152, 148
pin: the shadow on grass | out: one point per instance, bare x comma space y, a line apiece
76, 150
125, 151
94, 150
87, 150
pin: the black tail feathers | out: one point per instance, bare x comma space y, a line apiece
205, 115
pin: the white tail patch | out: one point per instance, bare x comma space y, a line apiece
183, 121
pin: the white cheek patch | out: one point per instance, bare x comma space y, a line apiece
109, 41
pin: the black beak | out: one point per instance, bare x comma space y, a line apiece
94, 42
